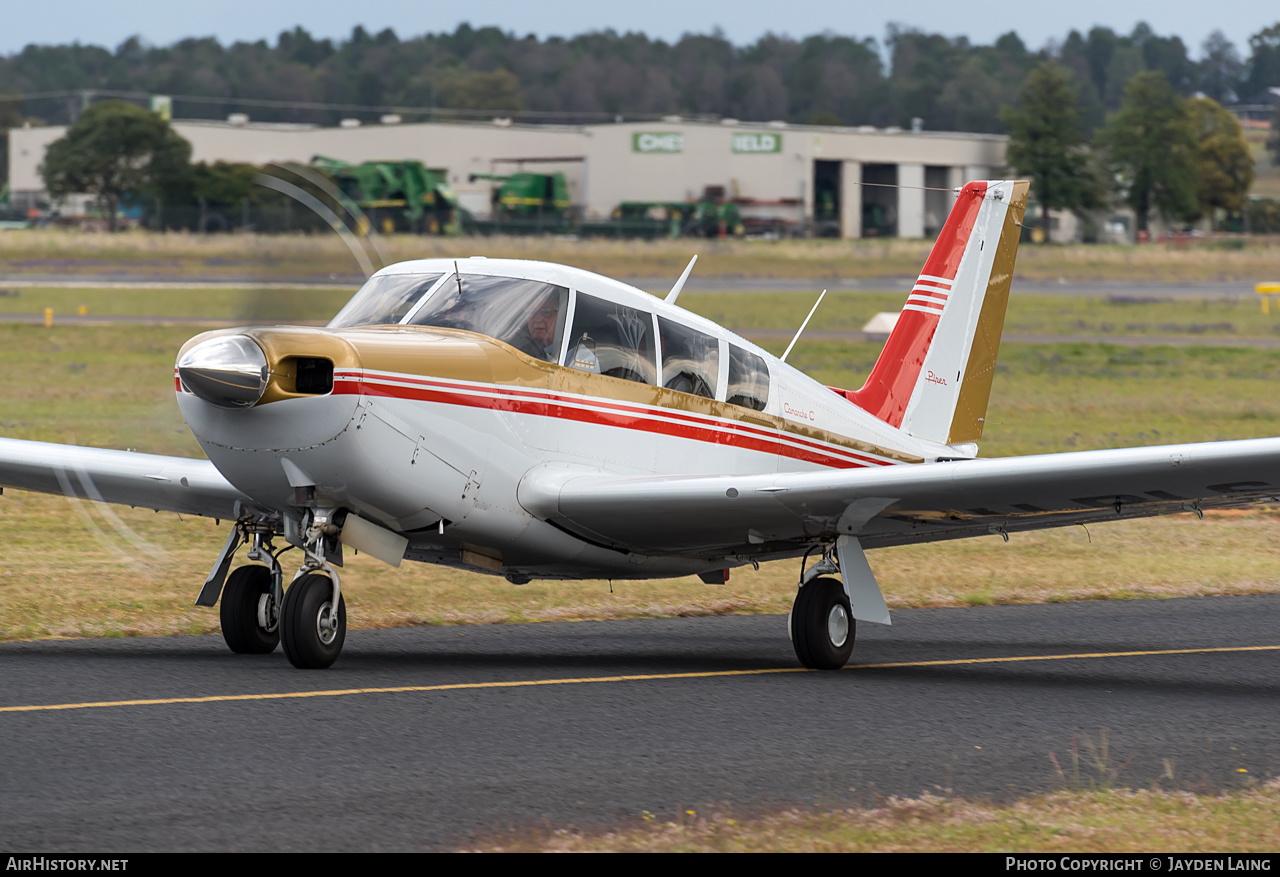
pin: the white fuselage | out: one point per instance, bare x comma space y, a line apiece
410, 449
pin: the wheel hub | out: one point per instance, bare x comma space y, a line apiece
268, 614
838, 625
326, 624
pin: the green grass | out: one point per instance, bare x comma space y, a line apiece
1029, 314
102, 386
179, 304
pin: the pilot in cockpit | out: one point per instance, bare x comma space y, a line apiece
541, 325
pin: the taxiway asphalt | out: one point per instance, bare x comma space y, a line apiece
246, 753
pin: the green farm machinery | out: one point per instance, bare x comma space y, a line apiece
527, 202
396, 196
708, 218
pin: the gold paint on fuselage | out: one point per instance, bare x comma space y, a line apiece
454, 354
975, 391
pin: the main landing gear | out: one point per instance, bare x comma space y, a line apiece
257, 613
822, 625
249, 613
821, 622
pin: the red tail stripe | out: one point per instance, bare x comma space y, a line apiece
888, 389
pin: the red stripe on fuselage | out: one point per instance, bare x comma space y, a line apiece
596, 411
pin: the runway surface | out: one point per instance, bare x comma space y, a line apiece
244, 753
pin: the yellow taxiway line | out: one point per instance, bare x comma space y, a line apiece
528, 683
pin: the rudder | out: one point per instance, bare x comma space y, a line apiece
933, 378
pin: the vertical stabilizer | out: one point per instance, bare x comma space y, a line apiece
933, 378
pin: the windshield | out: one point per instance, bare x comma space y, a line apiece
527, 314
384, 299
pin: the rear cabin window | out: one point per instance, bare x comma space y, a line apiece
527, 314
748, 379
690, 359
612, 339
384, 299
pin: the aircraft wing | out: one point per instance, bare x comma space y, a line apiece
762, 515
173, 484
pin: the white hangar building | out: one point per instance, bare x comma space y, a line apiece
861, 181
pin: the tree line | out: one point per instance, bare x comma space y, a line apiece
1182, 159
131, 159
826, 78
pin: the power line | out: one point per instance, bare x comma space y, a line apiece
89, 93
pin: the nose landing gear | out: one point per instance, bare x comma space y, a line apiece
313, 631
314, 616
257, 613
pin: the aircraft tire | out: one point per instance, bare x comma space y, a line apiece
306, 603
822, 625
238, 612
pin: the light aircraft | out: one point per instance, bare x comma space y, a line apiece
533, 420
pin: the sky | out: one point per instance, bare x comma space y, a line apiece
161, 22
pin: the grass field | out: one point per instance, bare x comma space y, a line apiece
1100, 317
40, 253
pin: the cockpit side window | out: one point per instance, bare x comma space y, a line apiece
613, 340
527, 314
690, 359
748, 379
384, 299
